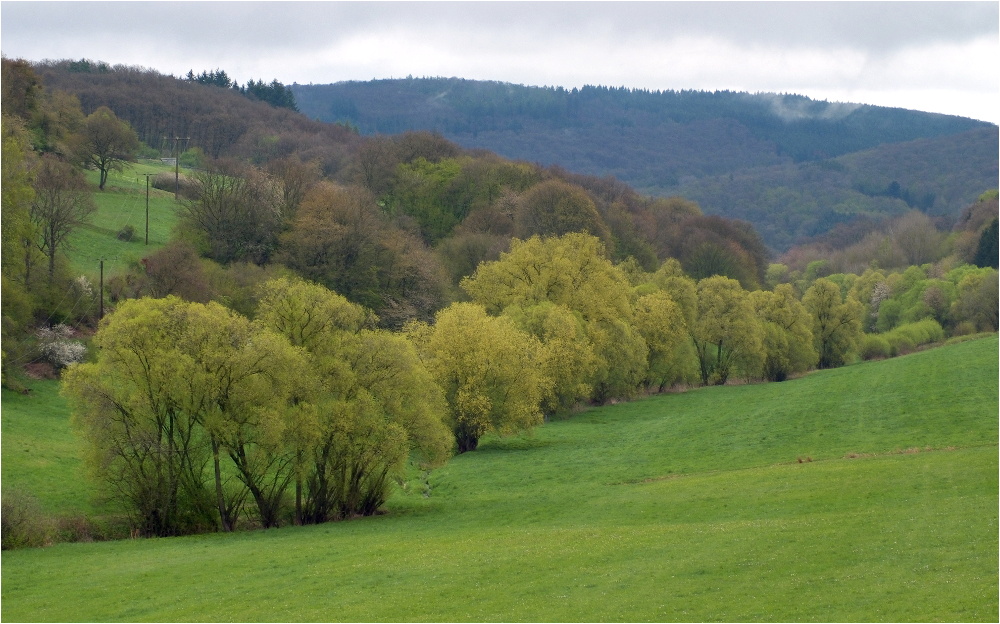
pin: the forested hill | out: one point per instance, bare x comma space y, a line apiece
696, 143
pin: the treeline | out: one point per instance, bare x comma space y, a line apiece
221, 122
799, 127
198, 418
274, 93
787, 164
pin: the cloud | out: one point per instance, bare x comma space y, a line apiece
813, 48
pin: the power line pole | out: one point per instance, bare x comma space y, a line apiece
177, 166
101, 296
147, 205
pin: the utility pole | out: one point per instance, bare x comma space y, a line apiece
147, 205
177, 166
101, 296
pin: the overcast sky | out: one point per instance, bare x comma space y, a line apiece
932, 56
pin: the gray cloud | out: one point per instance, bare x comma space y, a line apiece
825, 47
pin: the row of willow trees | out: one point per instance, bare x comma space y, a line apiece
199, 418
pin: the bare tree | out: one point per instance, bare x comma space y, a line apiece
62, 203
239, 209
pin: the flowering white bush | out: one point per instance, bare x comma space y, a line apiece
57, 348
83, 285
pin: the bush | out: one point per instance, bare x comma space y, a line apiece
165, 182
906, 338
22, 524
899, 344
874, 347
126, 234
57, 348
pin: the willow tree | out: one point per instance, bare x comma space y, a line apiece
176, 389
836, 322
488, 369
572, 271
375, 404
788, 338
726, 333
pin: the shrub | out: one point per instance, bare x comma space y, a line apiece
57, 348
22, 524
906, 338
874, 347
165, 182
899, 344
127, 234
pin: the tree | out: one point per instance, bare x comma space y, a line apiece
487, 368
340, 239
788, 339
238, 212
176, 269
986, 250
176, 388
977, 302
572, 271
568, 361
836, 322
726, 333
555, 207
18, 238
378, 402
62, 203
296, 178
661, 323
106, 142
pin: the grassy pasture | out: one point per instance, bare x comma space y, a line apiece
683, 507
123, 202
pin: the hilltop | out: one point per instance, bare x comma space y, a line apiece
723, 149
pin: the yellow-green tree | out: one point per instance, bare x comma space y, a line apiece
488, 369
788, 339
177, 387
572, 271
377, 402
727, 335
836, 322
661, 323
19, 252
568, 361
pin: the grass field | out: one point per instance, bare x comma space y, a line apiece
682, 507
123, 202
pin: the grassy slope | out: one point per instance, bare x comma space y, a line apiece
123, 202
680, 507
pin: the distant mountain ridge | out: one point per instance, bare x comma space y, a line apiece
694, 143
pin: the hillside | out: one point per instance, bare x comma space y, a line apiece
862, 493
690, 142
219, 121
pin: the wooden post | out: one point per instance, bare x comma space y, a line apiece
100, 315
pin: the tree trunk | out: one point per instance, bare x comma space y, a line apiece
224, 518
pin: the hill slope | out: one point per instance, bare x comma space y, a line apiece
666, 143
681, 507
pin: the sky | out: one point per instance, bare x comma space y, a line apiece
941, 57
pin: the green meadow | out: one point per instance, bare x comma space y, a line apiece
121, 204
865, 493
